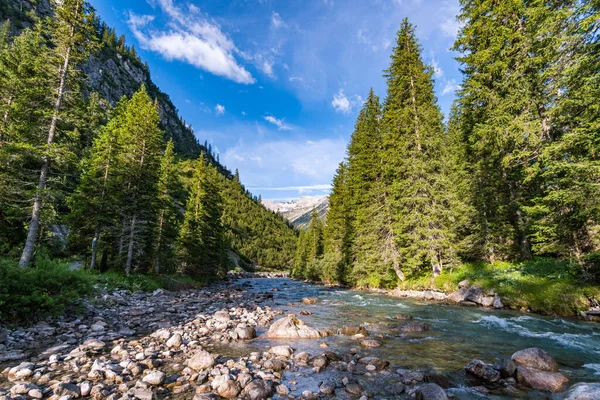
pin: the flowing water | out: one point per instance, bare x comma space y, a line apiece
459, 334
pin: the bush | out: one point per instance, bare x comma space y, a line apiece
49, 287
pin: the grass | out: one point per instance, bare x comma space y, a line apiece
542, 285
49, 287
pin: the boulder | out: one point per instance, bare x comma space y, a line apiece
474, 294
541, 380
67, 389
201, 360
175, 341
487, 301
229, 389
245, 332
535, 358
282, 351
465, 283
370, 343
258, 389
414, 326
497, 302
292, 328
327, 388
506, 367
274, 364
481, 370
431, 391
22, 388
155, 378
584, 391
353, 330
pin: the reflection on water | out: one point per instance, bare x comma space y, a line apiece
460, 333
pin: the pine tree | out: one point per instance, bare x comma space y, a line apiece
201, 242
300, 259
338, 229
143, 142
167, 214
72, 35
413, 158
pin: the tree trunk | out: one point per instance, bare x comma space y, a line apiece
37, 203
130, 247
157, 257
95, 249
97, 232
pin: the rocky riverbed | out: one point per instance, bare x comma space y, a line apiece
238, 341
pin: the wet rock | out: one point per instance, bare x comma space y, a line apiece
414, 326
155, 378
353, 330
292, 328
258, 389
431, 391
282, 390
541, 380
282, 351
274, 364
245, 332
370, 343
535, 358
487, 301
11, 355
201, 360
506, 367
142, 394
35, 394
309, 300
93, 345
327, 388
497, 304
403, 316
175, 341
228, 388
22, 388
481, 370
354, 388
320, 361
67, 389
584, 391
474, 294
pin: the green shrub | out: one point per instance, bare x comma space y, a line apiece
48, 287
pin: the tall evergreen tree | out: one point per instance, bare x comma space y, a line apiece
338, 230
72, 35
413, 158
201, 239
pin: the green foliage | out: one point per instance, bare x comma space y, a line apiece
48, 287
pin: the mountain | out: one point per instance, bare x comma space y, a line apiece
298, 212
114, 71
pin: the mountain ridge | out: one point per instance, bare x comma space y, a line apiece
299, 212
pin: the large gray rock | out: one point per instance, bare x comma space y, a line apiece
175, 341
201, 360
481, 370
431, 391
541, 380
584, 391
155, 378
258, 390
291, 327
414, 326
282, 351
245, 332
506, 367
67, 389
474, 294
535, 358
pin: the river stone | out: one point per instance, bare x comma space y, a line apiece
258, 390
353, 330
201, 360
282, 351
474, 294
497, 302
67, 389
308, 300
541, 380
327, 388
142, 394
320, 361
403, 316
354, 388
92, 344
487, 301
506, 367
222, 316
482, 371
414, 326
274, 364
292, 328
370, 343
22, 388
245, 332
175, 341
155, 378
431, 391
584, 391
535, 358
229, 389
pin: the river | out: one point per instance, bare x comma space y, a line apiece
459, 334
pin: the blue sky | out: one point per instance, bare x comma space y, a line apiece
275, 85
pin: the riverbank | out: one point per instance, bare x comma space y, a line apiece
214, 342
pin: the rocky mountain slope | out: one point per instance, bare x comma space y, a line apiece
114, 71
299, 212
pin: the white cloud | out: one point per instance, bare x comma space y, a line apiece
344, 104
298, 188
450, 87
281, 125
296, 79
276, 21
438, 72
219, 109
190, 38
450, 26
